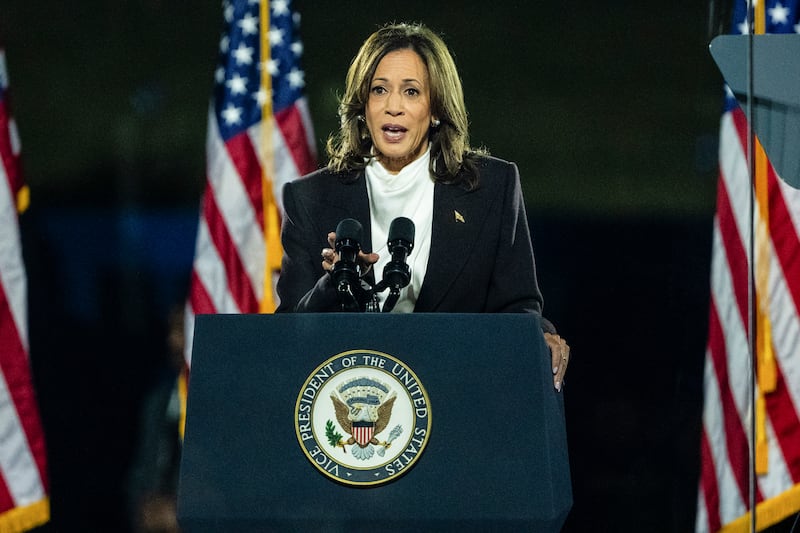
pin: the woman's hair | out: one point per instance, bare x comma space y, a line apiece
452, 159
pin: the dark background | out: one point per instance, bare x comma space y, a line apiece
610, 110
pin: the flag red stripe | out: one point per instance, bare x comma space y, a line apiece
786, 244
735, 435
238, 280
708, 481
244, 158
290, 121
199, 298
6, 501
9, 351
784, 238
735, 252
17, 373
782, 232
740, 123
23, 473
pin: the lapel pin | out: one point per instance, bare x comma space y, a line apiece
459, 217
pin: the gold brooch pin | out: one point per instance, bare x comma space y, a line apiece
459, 217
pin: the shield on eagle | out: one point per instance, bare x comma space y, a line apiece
363, 432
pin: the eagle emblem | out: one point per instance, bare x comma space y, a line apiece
363, 408
362, 417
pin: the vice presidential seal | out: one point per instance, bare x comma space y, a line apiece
362, 417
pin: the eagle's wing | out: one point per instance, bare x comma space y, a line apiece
341, 414
384, 414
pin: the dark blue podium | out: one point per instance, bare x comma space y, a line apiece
495, 456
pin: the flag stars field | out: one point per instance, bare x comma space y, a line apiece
232, 115
228, 12
237, 84
243, 54
275, 37
262, 96
779, 14
296, 78
297, 48
249, 25
273, 67
280, 7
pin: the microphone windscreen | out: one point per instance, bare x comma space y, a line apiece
402, 228
349, 229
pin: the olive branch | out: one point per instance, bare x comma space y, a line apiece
334, 437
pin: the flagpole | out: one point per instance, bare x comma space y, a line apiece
764, 375
272, 249
751, 24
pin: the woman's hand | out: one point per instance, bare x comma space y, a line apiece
559, 351
330, 257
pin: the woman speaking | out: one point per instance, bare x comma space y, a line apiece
402, 153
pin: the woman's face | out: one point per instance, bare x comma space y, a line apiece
398, 111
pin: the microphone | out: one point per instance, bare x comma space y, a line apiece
397, 273
345, 271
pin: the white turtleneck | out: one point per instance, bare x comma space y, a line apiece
409, 193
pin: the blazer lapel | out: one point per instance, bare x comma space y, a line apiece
458, 217
351, 201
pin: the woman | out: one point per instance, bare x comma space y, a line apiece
403, 151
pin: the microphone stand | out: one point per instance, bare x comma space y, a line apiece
391, 300
346, 296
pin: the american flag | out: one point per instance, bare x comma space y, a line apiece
259, 137
729, 412
24, 503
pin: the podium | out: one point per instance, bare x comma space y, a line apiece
773, 77
495, 450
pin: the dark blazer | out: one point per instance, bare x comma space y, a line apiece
481, 258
